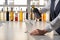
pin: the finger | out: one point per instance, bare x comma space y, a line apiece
33, 32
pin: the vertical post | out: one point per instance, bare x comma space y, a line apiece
28, 7
6, 2
6, 28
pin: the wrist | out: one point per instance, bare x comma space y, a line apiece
44, 32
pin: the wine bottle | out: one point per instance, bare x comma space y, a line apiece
21, 15
16, 15
32, 14
44, 17
7, 15
26, 14
2, 14
11, 15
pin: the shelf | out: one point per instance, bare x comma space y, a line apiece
20, 5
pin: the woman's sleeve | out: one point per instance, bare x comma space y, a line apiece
54, 24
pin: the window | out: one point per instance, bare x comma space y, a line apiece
20, 2
37, 2
2, 2
41, 2
34, 3
10, 2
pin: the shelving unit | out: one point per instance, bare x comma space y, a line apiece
19, 4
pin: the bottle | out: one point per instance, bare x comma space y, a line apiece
21, 15
2, 14
32, 14
16, 15
44, 17
7, 15
11, 15
26, 14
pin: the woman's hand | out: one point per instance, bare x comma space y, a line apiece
38, 32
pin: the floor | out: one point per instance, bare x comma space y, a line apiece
21, 31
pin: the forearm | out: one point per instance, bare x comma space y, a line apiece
54, 24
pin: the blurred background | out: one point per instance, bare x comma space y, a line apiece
21, 5
17, 20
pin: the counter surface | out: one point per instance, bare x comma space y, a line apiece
21, 31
